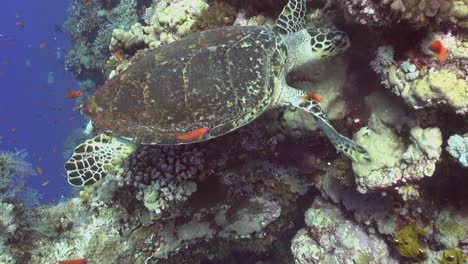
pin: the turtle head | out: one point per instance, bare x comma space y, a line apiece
308, 45
327, 41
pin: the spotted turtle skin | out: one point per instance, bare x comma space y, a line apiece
221, 79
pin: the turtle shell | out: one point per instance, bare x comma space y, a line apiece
219, 79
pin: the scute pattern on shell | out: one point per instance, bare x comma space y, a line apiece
220, 79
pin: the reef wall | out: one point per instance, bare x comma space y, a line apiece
275, 191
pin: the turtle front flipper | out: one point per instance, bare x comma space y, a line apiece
342, 144
94, 158
292, 17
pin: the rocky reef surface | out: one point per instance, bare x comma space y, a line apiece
274, 191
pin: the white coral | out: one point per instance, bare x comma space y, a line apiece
458, 148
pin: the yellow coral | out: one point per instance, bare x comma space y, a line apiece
440, 85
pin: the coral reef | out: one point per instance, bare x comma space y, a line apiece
393, 161
273, 191
416, 13
12, 166
90, 24
422, 82
167, 21
163, 175
241, 216
330, 238
329, 87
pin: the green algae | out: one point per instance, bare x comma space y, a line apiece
363, 258
453, 256
449, 229
408, 242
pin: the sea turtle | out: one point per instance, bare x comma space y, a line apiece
204, 86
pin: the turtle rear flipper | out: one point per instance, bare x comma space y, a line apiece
93, 159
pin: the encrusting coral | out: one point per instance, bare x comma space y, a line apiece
395, 162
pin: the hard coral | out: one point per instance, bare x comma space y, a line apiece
458, 148
393, 161
163, 175
430, 84
330, 237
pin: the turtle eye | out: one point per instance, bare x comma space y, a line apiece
340, 40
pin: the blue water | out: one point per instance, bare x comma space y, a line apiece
34, 115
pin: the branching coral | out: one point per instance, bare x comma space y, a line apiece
162, 175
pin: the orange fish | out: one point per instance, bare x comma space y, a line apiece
439, 49
44, 184
13, 129
76, 108
194, 135
20, 24
74, 94
314, 96
72, 117
118, 58
43, 45
73, 261
39, 170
